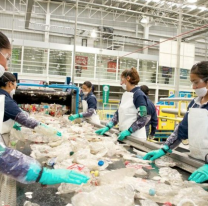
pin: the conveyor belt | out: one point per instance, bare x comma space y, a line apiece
47, 196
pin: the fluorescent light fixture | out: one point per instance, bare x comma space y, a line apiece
93, 34
191, 1
202, 8
144, 20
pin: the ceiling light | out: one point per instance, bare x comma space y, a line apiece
144, 20
191, 1
202, 8
192, 7
93, 34
156, 0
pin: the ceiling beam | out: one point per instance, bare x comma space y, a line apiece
30, 4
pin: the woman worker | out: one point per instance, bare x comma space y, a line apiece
89, 105
193, 126
132, 112
12, 162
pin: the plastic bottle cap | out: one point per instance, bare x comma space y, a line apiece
71, 153
101, 163
152, 192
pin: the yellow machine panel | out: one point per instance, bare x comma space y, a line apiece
164, 124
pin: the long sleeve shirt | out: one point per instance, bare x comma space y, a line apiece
181, 131
92, 105
139, 99
12, 111
151, 110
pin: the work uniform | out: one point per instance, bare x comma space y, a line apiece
193, 127
89, 105
12, 113
151, 110
128, 114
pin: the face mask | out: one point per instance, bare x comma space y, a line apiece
85, 93
2, 70
201, 92
123, 86
12, 93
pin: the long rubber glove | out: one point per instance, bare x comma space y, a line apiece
102, 131
55, 176
124, 134
51, 129
200, 175
155, 154
75, 116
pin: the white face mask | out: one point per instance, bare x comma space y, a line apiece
12, 93
201, 92
123, 86
85, 93
2, 70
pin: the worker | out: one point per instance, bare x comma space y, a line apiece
193, 126
132, 113
12, 111
89, 105
151, 110
12, 162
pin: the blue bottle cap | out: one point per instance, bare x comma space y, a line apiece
152, 192
101, 163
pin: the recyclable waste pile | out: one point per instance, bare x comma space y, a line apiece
80, 149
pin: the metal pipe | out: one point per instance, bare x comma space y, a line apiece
177, 79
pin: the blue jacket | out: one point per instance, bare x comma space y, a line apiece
92, 105
151, 110
11, 109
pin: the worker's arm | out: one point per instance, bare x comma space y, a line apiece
181, 131
109, 125
15, 113
27, 170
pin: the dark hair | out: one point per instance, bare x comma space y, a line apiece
133, 74
4, 42
201, 70
145, 89
88, 84
7, 77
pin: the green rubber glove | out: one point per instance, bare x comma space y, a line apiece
200, 175
57, 176
48, 127
17, 126
54, 176
2, 148
124, 134
103, 130
155, 154
75, 116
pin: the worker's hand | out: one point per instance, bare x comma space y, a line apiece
57, 176
102, 131
124, 134
75, 116
51, 129
17, 126
200, 175
155, 154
